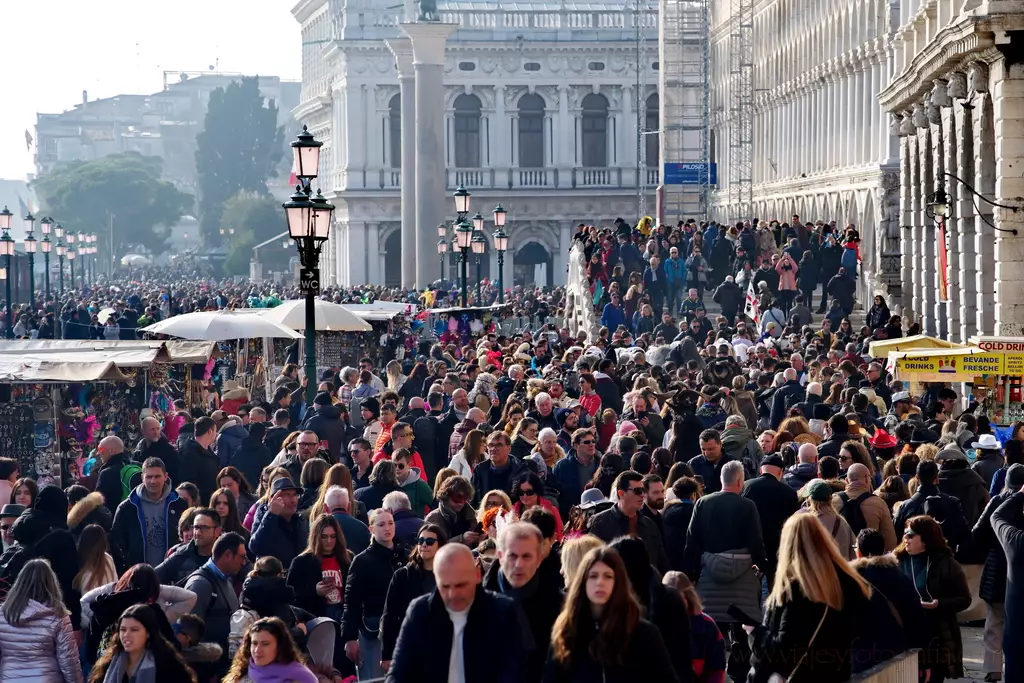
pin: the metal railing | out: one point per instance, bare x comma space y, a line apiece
900, 669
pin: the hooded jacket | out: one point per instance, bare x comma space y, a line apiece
328, 425
889, 583
108, 481
89, 510
132, 533
421, 496
200, 466
228, 441
967, 486
41, 649
266, 596
738, 443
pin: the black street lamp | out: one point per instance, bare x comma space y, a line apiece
309, 225
60, 264
442, 248
7, 249
45, 226
463, 233
500, 244
479, 247
71, 254
30, 250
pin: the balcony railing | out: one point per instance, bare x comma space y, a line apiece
471, 178
545, 178
597, 177
532, 177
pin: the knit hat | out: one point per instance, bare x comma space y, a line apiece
819, 490
560, 415
371, 404
1015, 477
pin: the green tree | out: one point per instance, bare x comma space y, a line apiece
237, 151
254, 219
84, 195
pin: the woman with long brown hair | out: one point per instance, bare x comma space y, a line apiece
140, 652
338, 475
320, 573
942, 589
96, 564
599, 635
231, 478
472, 452
268, 653
223, 502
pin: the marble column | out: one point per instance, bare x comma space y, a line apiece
401, 48
916, 235
962, 210
905, 221
938, 167
1008, 103
428, 41
954, 292
928, 230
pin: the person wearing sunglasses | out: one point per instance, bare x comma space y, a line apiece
8, 515
500, 470
572, 472
528, 492
624, 518
408, 583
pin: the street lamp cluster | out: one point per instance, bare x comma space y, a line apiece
86, 246
469, 237
309, 225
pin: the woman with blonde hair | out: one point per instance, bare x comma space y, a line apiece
812, 610
338, 475
495, 498
443, 475
396, 379
572, 553
36, 635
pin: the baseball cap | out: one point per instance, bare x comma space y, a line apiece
901, 396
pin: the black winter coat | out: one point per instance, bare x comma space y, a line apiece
280, 538
162, 449
303, 576
776, 502
407, 584
252, 457
129, 530
788, 628
424, 430
182, 562
676, 520
200, 466
881, 637
1007, 525
367, 587
425, 642
329, 426
270, 596
968, 486
645, 659
108, 482
993, 575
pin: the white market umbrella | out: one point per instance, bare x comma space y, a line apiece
220, 326
105, 315
135, 260
330, 317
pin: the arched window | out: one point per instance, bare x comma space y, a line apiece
652, 123
395, 130
467, 131
595, 131
531, 131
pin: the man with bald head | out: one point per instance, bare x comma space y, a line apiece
862, 508
154, 444
439, 623
113, 458
786, 396
806, 467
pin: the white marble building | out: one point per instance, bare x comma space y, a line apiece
539, 115
823, 149
957, 93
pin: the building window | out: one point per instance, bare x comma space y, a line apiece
467, 66
531, 66
655, 66
467, 131
651, 123
596, 66
395, 130
531, 131
595, 131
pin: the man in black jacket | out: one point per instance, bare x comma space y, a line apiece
775, 502
146, 523
731, 297
838, 433
625, 515
187, 558
458, 618
154, 444
425, 430
282, 533
516, 575
111, 452
279, 432
327, 423
787, 396
197, 461
929, 500
252, 455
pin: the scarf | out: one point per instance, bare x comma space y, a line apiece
146, 673
292, 672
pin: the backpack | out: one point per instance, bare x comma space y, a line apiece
852, 512
131, 477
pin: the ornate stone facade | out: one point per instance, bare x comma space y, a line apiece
539, 115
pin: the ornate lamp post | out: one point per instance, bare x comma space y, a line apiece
500, 244
46, 225
479, 247
7, 249
442, 247
30, 250
71, 254
60, 264
309, 225
463, 232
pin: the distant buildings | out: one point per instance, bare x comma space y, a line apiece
164, 124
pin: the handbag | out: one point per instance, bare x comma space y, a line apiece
777, 678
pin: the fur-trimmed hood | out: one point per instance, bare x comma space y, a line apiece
887, 560
89, 510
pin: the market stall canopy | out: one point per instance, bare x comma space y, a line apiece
120, 352
376, 311
136, 260
881, 349
953, 365
471, 310
220, 326
330, 317
35, 370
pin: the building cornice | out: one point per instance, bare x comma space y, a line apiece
970, 37
304, 9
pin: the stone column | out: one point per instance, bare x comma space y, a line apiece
401, 48
938, 169
906, 220
1008, 103
564, 150
985, 183
501, 134
428, 40
950, 141
928, 229
962, 210
916, 236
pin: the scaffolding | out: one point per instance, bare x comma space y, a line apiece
741, 108
640, 105
685, 103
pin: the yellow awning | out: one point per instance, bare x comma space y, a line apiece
953, 365
882, 349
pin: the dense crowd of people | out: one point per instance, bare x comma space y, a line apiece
704, 497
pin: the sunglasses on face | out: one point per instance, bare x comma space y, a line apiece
586, 442
400, 466
908, 534
5, 527
429, 542
527, 492
637, 490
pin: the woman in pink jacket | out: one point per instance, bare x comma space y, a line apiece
787, 270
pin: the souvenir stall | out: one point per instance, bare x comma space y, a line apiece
456, 325
393, 325
917, 342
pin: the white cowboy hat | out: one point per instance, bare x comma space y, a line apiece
987, 442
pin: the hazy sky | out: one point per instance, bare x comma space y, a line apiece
52, 50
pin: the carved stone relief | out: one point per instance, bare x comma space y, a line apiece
977, 78
957, 86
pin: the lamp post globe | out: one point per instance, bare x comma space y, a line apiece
500, 245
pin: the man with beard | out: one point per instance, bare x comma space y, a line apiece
654, 501
568, 420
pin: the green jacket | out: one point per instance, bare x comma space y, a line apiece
421, 496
